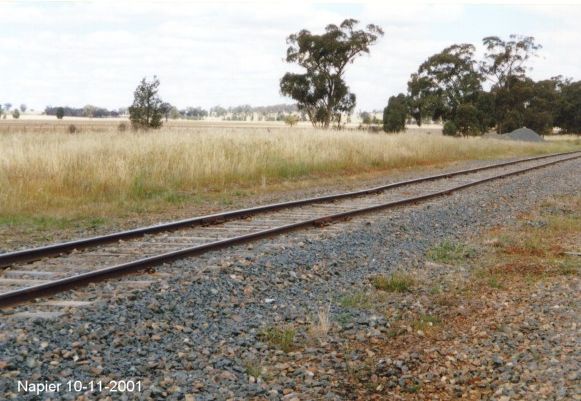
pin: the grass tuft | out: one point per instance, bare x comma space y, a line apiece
322, 324
395, 282
357, 300
253, 368
451, 253
280, 337
425, 322
491, 277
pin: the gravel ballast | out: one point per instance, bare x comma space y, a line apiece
200, 336
524, 134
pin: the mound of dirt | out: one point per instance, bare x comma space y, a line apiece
523, 134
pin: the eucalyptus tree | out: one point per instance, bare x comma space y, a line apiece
505, 64
568, 116
447, 80
321, 92
147, 108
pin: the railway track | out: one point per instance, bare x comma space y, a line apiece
38, 272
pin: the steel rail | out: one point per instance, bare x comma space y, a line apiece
32, 254
28, 293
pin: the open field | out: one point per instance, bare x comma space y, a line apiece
102, 174
49, 124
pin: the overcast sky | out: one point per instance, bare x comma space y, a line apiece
229, 53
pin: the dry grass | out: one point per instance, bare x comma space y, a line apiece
108, 173
322, 324
282, 337
395, 282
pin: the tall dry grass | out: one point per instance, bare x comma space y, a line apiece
71, 174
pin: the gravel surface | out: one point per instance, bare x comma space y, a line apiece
523, 134
204, 335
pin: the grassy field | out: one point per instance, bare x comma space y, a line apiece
97, 175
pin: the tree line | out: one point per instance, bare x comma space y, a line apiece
87, 111
449, 87
468, 96
6, 108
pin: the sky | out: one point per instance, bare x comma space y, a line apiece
73, 53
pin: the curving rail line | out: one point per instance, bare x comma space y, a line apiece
202, 234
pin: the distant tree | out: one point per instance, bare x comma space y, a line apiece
365, 117
507, 59
7, 106
484, 104
23, 108
291, 120
422, 101
60, 113
394, 115
542, 107
166, 110
146, 110
16, 114
196, 113
174, 113
505, 65
568, 115
446, 80
89, 111
510, 105
320, 91
218, 111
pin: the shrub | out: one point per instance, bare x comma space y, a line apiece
16, 114
122, 127
291, 120
450, 128
395, 113
73, 129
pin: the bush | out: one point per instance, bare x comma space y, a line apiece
395, 113
73, 129
467, 120
122, 127
60, 113
291, 120
450, 128
16, 114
